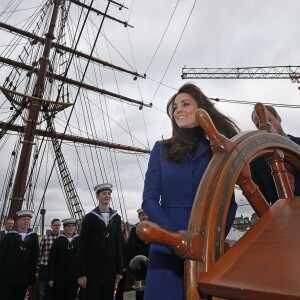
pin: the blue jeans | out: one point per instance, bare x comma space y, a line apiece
43, 282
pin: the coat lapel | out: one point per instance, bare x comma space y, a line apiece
203, 147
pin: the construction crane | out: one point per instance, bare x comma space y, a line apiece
278, 72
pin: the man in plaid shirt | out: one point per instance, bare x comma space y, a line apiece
43, 261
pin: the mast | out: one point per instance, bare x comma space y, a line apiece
46, 72
34, 110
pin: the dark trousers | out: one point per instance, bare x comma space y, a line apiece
15, 292
120, 291
139, 295
43, 289
64, 290
102, 291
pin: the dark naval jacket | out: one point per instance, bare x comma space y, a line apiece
136, 246
261, 175
18, 259
100, 247
63, 258
2, 234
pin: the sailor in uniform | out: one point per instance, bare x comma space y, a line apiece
136, 246
100, 249
62, 263
18, 258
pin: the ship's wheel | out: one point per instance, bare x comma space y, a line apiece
258, 266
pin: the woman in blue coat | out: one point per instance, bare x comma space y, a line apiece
175, 169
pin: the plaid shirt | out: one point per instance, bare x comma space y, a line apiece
45, 247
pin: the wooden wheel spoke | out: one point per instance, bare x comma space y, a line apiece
252, 192
217, 140
279, 172
184, 243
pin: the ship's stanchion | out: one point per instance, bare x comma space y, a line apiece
138, 270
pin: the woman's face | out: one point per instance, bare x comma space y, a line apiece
184, 108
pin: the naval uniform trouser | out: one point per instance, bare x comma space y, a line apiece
102, 290
13, 292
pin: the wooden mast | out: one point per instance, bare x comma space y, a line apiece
36, 101
34, 109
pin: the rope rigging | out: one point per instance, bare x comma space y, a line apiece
92, 115
64, 93
176, 47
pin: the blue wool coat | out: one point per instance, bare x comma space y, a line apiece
168, 197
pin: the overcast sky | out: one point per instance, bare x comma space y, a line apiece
167, 36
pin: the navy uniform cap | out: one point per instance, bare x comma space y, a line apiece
102, 187
140, 211
24, 213
68, 221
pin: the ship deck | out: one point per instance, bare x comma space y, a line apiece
130, 295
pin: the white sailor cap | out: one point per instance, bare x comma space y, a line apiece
140, 211
24, 213
102, 187
68, 221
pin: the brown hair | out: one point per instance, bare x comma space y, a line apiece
178, 145
55, 220
269, 108
272, 110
